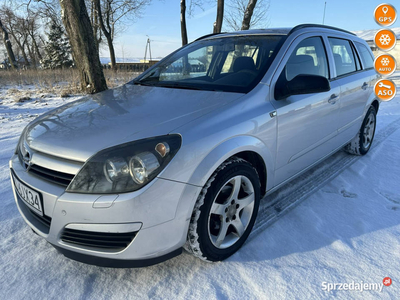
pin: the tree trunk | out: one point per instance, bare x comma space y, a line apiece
96, 27
95, 23
85, 52
22, 48
248, 14
183, 23
31, 54
7, 44
112, 52
107, 34
36, 47
220, 17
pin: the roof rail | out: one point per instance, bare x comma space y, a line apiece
207, 35
301, 26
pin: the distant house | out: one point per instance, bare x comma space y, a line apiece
131, 64
368, 36
5, 64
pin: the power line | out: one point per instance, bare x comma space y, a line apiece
165, 42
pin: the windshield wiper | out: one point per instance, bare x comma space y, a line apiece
176, 85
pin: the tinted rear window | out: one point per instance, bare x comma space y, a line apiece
366, 57
345, 62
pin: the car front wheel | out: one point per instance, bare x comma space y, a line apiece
225, 211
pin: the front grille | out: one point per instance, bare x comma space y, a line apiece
104, 240
56, 177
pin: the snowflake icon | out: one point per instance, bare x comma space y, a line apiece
385, 61
385, 39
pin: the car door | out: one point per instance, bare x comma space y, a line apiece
355, 87
306, 124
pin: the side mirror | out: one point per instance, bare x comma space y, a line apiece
302, 84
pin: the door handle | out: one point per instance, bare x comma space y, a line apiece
365, 86
333, 99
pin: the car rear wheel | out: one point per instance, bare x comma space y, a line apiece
362, 142
225, 211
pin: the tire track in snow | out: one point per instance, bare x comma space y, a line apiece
282, 201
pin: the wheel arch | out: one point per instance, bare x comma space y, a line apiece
375, 103
258, 163
371, 101
249, 148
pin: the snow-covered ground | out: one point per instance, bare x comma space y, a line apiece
339, 223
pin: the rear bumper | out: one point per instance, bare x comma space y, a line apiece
158, 215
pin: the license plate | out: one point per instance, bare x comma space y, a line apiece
29, 196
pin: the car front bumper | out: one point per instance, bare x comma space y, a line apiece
158, 216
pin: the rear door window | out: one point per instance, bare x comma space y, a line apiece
343, 55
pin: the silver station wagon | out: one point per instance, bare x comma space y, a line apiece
180, 157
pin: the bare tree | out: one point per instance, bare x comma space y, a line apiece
15, 26
8, 46
183, 23
25, 21
220, 17
246, 14
94, 19
106, 31
193, 4
47, 10
29, 30
32, 28
112, 14
86, 56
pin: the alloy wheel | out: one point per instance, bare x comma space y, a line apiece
369, 130
231, 212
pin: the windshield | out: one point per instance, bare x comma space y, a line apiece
230, 64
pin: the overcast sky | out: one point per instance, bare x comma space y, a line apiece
161, 22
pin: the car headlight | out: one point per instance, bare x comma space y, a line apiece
127, 167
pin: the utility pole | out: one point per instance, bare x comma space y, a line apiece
147, 45
323, 19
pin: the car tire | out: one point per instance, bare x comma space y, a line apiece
225, 211
362, 142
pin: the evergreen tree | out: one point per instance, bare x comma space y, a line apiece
57, 49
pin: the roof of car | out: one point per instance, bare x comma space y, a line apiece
281, 31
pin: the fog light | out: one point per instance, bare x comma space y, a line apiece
142, 165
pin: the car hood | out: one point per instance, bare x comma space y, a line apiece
81, 128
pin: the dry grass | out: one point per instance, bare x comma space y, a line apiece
61, 82
116, 78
